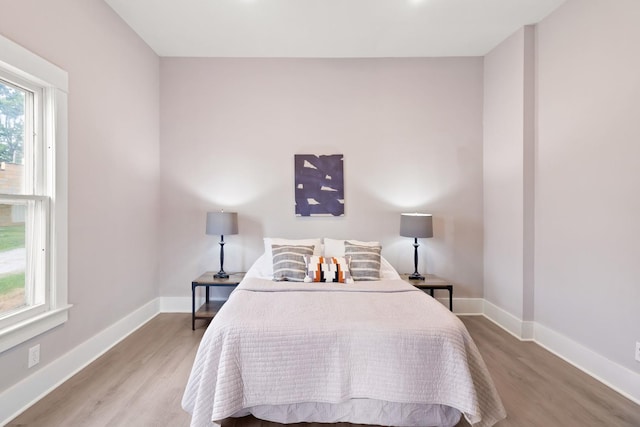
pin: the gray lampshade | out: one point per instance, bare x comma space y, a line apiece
416, 225
222, 223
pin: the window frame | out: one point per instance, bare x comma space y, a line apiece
36, 74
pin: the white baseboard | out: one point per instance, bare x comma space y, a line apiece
180, 304
528, 330
464, 306
24, 394
176, 304
519, 328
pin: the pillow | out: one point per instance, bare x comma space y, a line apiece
259, 269
335, 248
321, 269
269, 241
365, 261
288, 262
386, 270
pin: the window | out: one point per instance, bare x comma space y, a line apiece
33, 224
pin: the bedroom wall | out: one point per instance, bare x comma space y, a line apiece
503, 173
410, 131
587, 198
113, 166
508, 156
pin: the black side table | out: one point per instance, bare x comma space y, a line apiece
210, 308
430, 283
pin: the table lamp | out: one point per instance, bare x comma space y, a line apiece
416, 225
222, 223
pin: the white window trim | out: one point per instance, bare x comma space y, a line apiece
26, 65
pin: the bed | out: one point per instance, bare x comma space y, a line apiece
367, 352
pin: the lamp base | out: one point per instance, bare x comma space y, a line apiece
221, 274
416, 276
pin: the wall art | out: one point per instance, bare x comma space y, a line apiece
319, 185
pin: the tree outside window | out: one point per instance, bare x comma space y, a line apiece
12, 216
11, 124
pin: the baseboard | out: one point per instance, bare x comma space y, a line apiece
523, 330
27, 392
180, 304
615, 376
464, 306
176, 304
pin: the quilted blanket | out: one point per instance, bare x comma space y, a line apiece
294, 343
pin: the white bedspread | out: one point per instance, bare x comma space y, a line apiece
296, 343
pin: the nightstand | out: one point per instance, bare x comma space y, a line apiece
430, 283
210, 308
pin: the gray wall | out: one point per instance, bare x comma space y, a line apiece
587, 193
503, 173
410, 131
582, 245
113, 166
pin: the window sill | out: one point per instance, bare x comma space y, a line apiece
25, 330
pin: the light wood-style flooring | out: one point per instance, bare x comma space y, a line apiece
140, 381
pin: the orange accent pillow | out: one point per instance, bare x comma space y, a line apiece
327, 269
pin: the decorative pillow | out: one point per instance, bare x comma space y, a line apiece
269, 241
365, 261
321, 269
288, 262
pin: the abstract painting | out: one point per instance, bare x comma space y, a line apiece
319, 185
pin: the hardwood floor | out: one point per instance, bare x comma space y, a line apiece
538, 388
140, 383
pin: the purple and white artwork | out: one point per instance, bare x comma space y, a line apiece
319, 185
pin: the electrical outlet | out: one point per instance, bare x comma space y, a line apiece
34, 355
637, 351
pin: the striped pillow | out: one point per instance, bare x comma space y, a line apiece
323, 269
288, 262
365, 261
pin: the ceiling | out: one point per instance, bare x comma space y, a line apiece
328, 28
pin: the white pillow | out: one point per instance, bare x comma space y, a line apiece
335, 248
387, 271
260, 268
268, 241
